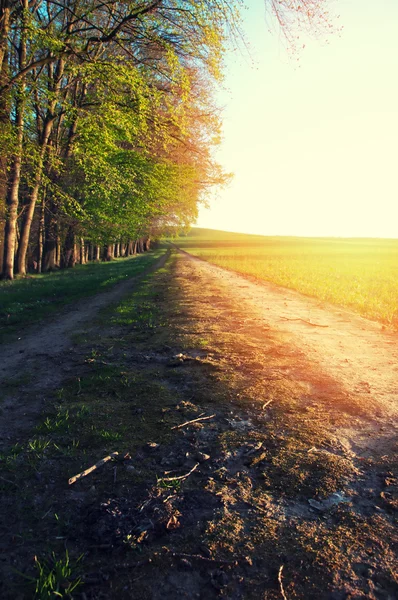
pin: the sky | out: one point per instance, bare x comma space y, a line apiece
312, 138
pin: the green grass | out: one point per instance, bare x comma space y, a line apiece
361, 274
31, 299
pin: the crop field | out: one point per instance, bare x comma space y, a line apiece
360, 274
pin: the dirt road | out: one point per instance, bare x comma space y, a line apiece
42, 357
256, 435
358, 353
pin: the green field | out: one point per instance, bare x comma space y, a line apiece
361, 274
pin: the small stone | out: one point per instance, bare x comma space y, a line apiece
202, 457
130, 468
152, 446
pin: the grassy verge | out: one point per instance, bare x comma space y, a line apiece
33, 298
209, 509
361, 274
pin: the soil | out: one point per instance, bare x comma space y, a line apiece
360, 354
288, 488
43, 357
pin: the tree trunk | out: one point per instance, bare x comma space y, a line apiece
97, 253
4, 117
12, 200
68, 259
51, 239
41, 239
109, 252
82, 252
54, 87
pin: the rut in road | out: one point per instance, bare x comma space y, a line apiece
42, 353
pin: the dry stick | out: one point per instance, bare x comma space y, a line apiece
180, 476
281, 584
193, 421
304, 321
269, 402
93, 468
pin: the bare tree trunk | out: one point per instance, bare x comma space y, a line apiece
97, 253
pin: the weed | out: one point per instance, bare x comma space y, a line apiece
55, 578
109, 436
59, 422
38, 446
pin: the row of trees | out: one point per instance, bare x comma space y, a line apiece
107, 121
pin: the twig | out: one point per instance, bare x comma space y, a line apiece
281, 584
304, 321
180, 476
193, 421
269, 402
100, 463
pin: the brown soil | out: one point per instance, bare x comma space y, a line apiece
360, 354
291, 488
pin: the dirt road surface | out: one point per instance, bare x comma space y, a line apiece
43, 352
287, 489
360, 354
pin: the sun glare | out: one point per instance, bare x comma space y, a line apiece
313, 148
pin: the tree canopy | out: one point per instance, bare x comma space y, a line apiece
107, 119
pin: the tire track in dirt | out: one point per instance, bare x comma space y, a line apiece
44, 351
356, 352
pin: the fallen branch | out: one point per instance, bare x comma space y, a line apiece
180, 476
281, 584
304, 321
97, 465
193, 421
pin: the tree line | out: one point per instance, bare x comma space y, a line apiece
107, 122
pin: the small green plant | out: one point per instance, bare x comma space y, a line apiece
57, 423
38, 446
55, 578
110, 436
83, 412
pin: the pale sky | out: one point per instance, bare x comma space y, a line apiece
313, 143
